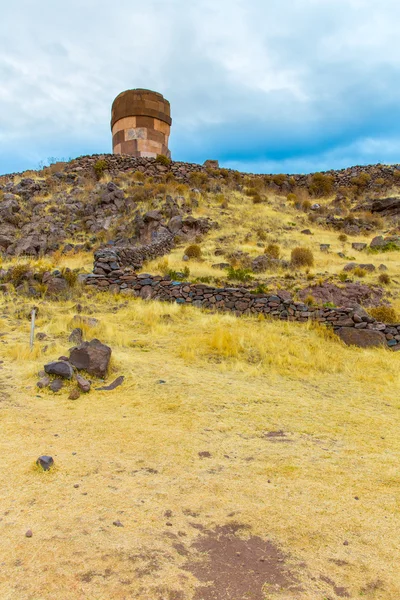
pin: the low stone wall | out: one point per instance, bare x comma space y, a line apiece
109, 263
109, 274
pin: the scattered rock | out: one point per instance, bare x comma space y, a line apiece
56, 385
74, 395
83, 383
60, 368
359, 246
93, 357
76, 336
117, 523
43, 382
46, 462
29, 533
117, 382
306, 232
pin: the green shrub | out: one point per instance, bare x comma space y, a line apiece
161, 159
386, 314
343, 276
384, 279
359, 272
261, 234
100, 167
273, 250
239, 274
343, 238
138, 176
321, 185
71, 277
306, 205
291, 197
361, 181
309, 300
193, 251
302, 257
18, 273
198, 179
178, 276
260, 289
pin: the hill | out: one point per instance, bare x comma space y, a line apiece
243, 456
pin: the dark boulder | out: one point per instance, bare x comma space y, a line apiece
93, 357
60, 368
363, 338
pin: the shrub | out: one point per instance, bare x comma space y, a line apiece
18, 273
161, 159
239, 274
251, 191
386, 314
321, 185
193, 251
138, 176
359, 272
99, 167
71, 277
361, 181
178, 275
302, 257
257, 199
279, 179
380, 181
306, 205
291, 197
261, 234
343, 277
384, 278
343, 238
309, 300
260, 289
198, 179
273, 250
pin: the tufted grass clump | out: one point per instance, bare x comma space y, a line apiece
302, 257
321, 185
100, 167
193, 251
384, 279
359, 272
386, 314
273, 250
239, 274
161, 159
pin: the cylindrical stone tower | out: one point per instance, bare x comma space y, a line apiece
140, 124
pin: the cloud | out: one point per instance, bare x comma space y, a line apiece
282, 86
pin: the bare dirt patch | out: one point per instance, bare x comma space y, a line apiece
231, 567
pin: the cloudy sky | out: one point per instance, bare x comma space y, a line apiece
261, 85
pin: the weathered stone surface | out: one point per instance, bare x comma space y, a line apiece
46, 462
83, 383
364, 338
60, 368
43, 382
76, 336
116, 383
93, 357
56, 385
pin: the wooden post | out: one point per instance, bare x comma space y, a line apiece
33, 316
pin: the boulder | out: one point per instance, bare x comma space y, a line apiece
363, 338
93, 357
377, 242
358, 246
59, 368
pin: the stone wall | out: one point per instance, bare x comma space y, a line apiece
110, 274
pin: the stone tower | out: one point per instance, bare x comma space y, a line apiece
140, 124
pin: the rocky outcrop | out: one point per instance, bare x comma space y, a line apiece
92, 357
363, 338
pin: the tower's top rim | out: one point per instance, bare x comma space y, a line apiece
140, 102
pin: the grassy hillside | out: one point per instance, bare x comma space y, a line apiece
242, 458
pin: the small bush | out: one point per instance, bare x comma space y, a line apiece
18, 273
359, 272
302, 257
251, 191
260, 289
306, 205
100, 167
239, 274
178, 275
161, 159
71, 277
384, 279
380, 181
361, 181
138, 176
343, 277
309, 300
193, 251
198, 179
291, 198
321, 185
279, 179
343, 238
386, 314
273, 250
261, 234
257, 199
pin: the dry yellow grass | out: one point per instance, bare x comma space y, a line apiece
133, 453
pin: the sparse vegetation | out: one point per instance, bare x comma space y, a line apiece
161, 159
273, 250
321, 185
384, 279
386, 314
193, 251
302, 257
100, 167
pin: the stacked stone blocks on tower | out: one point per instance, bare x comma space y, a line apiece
140, 124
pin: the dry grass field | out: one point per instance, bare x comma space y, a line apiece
273, 437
